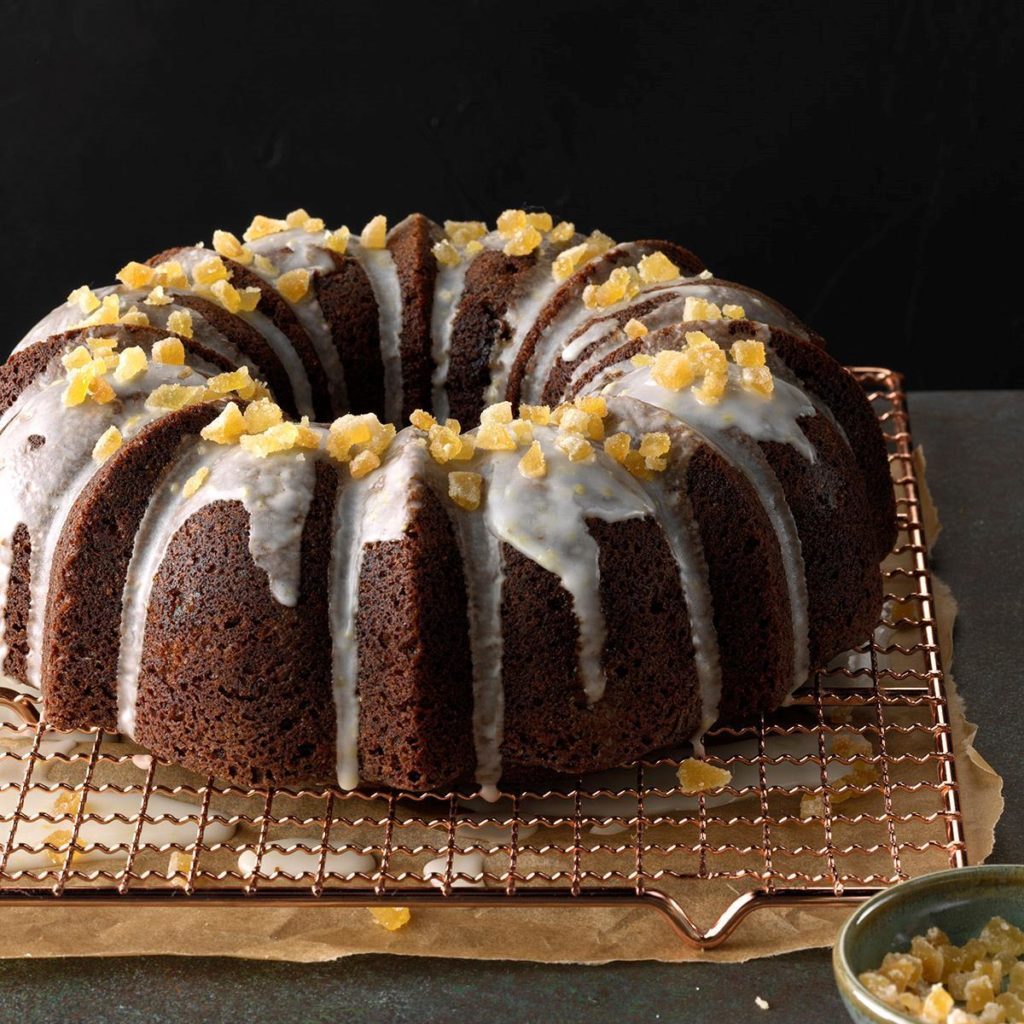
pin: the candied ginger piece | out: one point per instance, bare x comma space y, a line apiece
85, 298
209, 271
296, 218
931, 958
233, 380
696, 776
540, 221
522, 431
495, 436
642, 359
523, 242
100, 391
617, 446
500, 412
654, 444
733, 312
880, 987
227, 295
109, 441
465, 489
758, 380
262, 226
696, 308
511, 221
634, 329
135, 317
443, 443
195, 481
180, 322
227, 245
575, 447
562, 231
593, 404
78, 357
937, 1005
533, 465
1010, 1003
422, 420
227, 428
60, 841
712, 389
179, 868
672, 369
108, 312
657, 267
363, 463
135, 275
374, 235
540, 415
462, 232
337, 241
169, 351
364, 432
748, 352
902, 969
131, 363
446, 254
172, 274
623, 283
293, 285
978, 992
262, 414
391, 918
158, 297
1002, 938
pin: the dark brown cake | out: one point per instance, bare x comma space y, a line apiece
662, 503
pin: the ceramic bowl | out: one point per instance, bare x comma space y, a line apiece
960, 902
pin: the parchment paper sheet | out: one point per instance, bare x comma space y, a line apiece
571, 935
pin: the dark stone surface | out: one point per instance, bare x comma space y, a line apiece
974, 444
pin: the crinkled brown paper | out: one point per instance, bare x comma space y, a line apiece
590, 935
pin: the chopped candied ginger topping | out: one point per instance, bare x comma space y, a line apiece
281, 437
446, 443
351, 435
523, 242
240, 381
622, 285
108, 312
733, 312
673, 369
136, 275
169, 351
461, 232
294, 285
465, 489
575, 447
363, 463
135, 317
391, 918
180, 321
374, 235
656, 267
209, 271
58, 846
265, 265
158, 297
170, 397
696, 776
109, 441
495, 437
227, 428
195, 481
261, 414
500, 412
642, 359
654, 444
227, 245
536, 414
77, 358
337, 241
696, 308
570, 260
936, 981
563, 231
533, 465
300, 219
131, 363
233, 299
85, 377
262, 226
758, 380
422, 420
748, 353
634, 329
446, 254
85, 298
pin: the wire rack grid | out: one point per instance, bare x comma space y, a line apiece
849, 789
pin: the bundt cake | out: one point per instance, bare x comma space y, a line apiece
633, 499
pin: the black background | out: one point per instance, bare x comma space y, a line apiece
859, 161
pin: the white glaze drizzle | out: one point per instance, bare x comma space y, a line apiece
675, 515
730, 427
276, 491
383, 276
448, 289
374, 508
42, 500
297, 249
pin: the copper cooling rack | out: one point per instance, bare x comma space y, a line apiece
850, 789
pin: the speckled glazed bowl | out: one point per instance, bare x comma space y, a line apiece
960, 902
